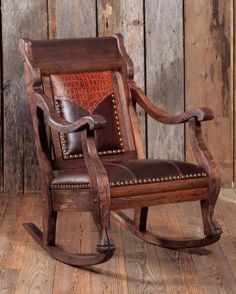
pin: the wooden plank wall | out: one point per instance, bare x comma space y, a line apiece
209, 74
233, 48
165, 74
183, 53
19, 19
1, 112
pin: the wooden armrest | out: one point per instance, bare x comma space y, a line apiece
200, 114
57, 122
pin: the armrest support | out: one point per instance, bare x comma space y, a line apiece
200, 114
57, 122
99, 190
206, 160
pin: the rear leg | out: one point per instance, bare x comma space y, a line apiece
140, 218
210, 226
49, 226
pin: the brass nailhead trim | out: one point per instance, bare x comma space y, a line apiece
130, 182
107, 152
57, 106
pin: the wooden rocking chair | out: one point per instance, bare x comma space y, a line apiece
82, 98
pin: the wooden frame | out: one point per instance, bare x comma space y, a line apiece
42, 58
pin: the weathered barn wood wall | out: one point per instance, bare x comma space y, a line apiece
183, 53
19, 18
127, 18
208, 71
233, 48
1, 112
165, 74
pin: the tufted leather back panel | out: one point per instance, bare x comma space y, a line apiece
79, 94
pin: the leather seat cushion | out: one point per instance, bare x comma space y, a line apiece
130, 172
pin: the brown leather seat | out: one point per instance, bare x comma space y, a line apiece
130, 172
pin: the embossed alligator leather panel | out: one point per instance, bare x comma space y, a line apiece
80, 94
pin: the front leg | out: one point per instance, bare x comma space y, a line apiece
99, 191
205, 160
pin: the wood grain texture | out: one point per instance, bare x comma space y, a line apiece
3, 206
142, 266
37, 271
73, 236
174, 263
210, 43
165, 74
7, 226
234, 80
14, 256
209, 80
69, 19
19, 18
219, 271
227, 244
1, 110
137, 267
8, 279
113, 272
126, 17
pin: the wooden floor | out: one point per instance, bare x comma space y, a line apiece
136, 267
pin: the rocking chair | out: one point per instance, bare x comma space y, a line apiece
82, 98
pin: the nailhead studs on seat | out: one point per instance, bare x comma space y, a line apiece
128, 182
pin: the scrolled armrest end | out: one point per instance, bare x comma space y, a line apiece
202, 113
57, 122
95, 121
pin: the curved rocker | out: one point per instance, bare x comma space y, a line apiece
154, 239
65, 257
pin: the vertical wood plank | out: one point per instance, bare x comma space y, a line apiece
165, 74
19, 19
126, 17
72, 19
52, 23
3, 206
209, 75
234, 84
1, 110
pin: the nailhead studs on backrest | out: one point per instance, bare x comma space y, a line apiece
101, 85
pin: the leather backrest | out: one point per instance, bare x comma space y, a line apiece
78, 94
84, 76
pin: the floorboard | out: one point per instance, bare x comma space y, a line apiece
76, 229
37, 272
136, 267
8, 278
